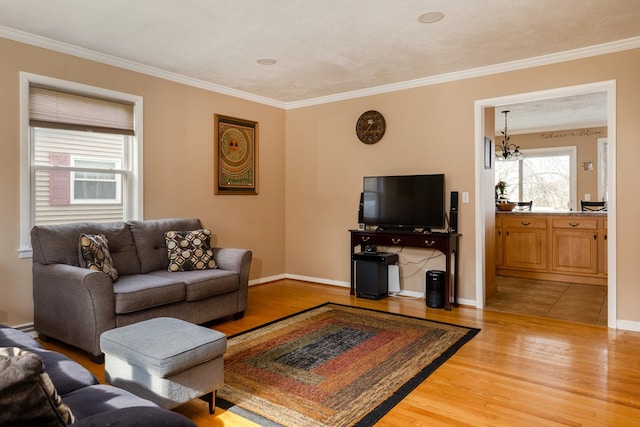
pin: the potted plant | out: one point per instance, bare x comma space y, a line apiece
501, 186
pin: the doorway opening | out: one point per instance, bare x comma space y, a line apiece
485, 206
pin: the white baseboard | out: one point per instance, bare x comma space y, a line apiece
628, 325
268, 279
318, 280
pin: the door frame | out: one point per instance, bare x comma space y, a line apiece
481, 178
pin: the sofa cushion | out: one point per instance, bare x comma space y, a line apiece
141, 291
93, 252
189, 250
150, 242
27, 395
97, 399
204, 284
59, 244
66, 374
10, 337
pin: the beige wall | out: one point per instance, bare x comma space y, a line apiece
309, 187
178, 164
431, 130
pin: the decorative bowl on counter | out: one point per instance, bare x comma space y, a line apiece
507, 207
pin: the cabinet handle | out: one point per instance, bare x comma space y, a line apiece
395, 241
429, 243
595, 237
365, 238
499, 233
605, 237
574, 224
525, 223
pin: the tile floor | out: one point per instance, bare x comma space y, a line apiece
574, 302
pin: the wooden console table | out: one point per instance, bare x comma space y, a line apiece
447, 243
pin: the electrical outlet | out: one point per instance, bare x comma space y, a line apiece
587, 197
465, 197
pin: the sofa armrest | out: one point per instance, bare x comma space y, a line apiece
73, 304
238, 260
140, 416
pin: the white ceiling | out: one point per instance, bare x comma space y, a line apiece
324, 48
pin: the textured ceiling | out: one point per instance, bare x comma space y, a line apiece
322, 48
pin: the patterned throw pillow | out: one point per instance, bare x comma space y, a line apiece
95, 255
27, 395
189, 250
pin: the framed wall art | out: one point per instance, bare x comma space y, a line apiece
236, 155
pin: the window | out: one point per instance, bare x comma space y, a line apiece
81, 155
94, 184
545, 176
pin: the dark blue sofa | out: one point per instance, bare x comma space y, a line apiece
92, 403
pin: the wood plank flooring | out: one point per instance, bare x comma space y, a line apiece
518, 371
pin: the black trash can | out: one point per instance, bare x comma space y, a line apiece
434, 289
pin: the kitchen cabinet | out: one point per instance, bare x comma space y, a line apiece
567, 247
525, 243
574, 245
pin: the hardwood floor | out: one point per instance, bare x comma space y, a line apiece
575, 302
518, 371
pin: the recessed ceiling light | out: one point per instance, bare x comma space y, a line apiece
430, 17
266, 61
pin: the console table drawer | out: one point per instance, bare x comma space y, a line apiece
415, 240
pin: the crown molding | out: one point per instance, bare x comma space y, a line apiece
69, 49
554, 58
66, 48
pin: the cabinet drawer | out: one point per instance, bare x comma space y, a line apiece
575, 223
525, 222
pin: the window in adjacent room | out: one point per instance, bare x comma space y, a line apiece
82, 161
545, 176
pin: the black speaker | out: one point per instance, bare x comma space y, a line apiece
453, 221
454, 201
360, 209
453, 212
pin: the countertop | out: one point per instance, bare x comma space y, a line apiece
554, 213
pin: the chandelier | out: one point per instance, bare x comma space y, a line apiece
503, 152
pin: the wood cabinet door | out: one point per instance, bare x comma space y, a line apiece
603, 248
525, 248
575, 251
499, 247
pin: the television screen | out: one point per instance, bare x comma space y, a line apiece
407, 201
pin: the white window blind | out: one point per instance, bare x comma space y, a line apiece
51, 108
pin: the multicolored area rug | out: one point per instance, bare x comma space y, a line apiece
333, 365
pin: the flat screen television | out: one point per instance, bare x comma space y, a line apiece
404, 202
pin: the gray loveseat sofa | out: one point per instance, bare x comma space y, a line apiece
75, 305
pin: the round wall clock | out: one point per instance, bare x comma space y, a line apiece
370, 127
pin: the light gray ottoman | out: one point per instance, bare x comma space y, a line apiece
165, 360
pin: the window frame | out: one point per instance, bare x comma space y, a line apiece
117, 179
132, 194
571, 151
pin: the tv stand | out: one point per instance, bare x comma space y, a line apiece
447, 243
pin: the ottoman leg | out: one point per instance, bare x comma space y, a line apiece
211, 399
